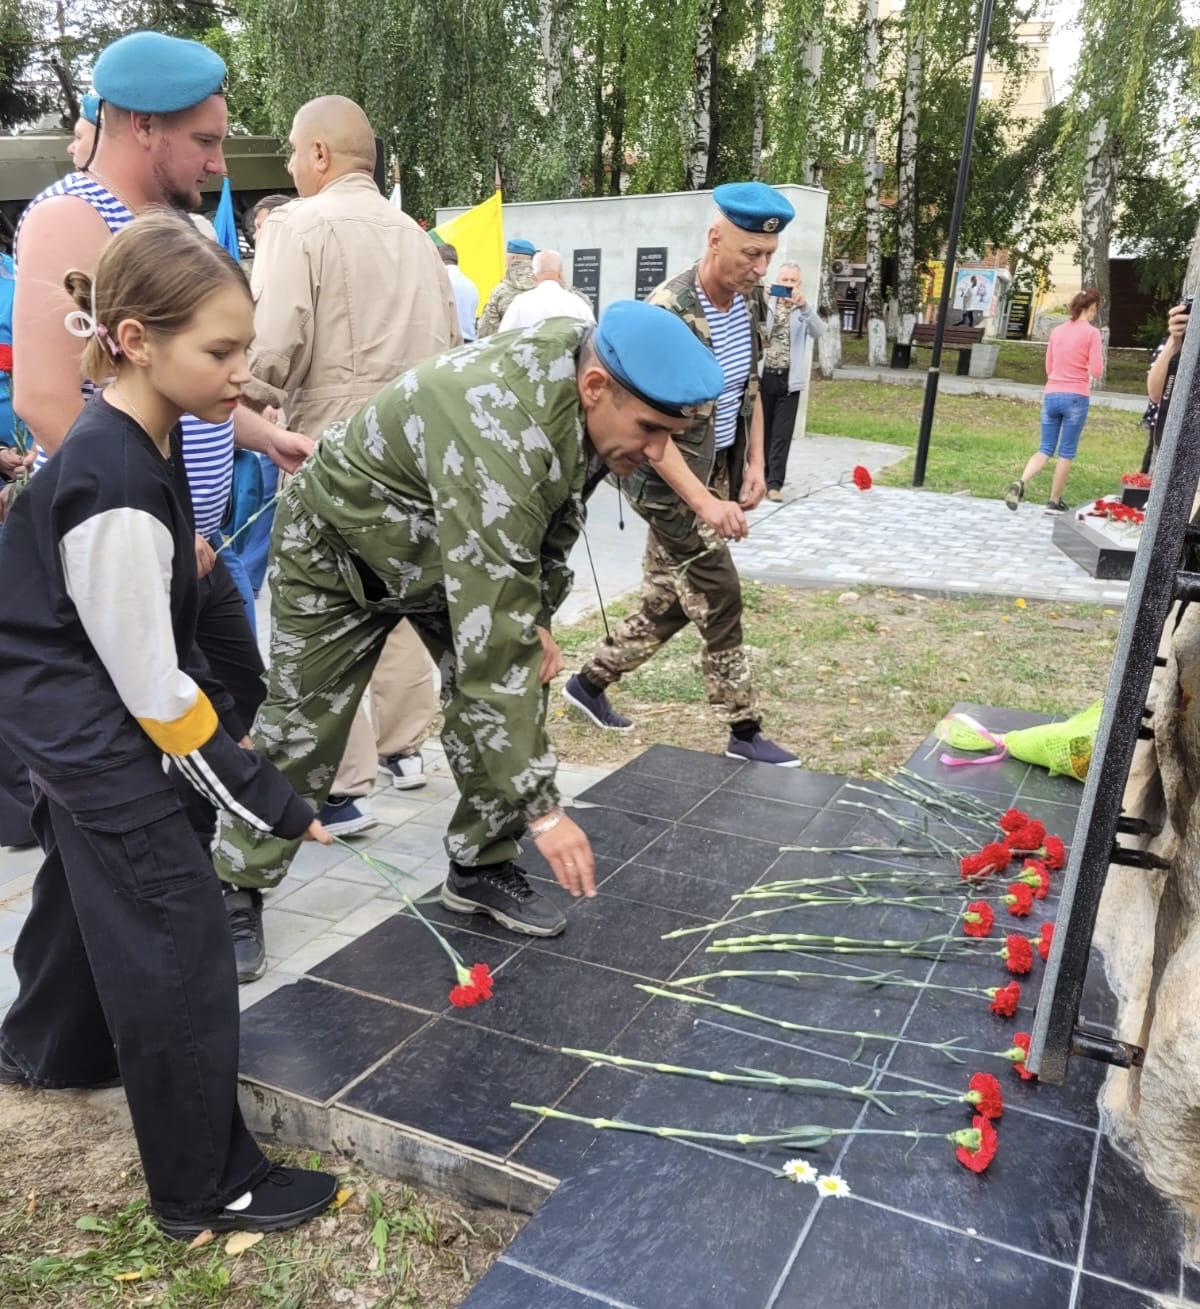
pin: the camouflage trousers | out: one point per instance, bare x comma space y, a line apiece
330, 618
693, 582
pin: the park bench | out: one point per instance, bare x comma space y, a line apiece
959, 338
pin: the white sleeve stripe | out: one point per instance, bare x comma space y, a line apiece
185, 767
226, 800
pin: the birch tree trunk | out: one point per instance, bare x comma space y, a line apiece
696, 161
829, 345
760, 89
554, 32
876, 331
1099, 187
906, 191
811, 60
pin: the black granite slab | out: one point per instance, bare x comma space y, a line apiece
678, 765
1094, 1293
315, 1039
645, 885
510, 1287
773, 821
643, 793
735, 862
561, 1148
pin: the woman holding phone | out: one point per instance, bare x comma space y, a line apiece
791, 321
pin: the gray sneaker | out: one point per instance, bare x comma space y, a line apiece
245, 909
503, 892
596, 707
1015, 494
761, 750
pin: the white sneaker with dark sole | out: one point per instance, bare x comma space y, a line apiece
407, 771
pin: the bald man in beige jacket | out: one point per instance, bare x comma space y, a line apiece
349, 294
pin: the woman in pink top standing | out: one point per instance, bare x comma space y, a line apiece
1074, 355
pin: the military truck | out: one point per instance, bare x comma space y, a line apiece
31, 162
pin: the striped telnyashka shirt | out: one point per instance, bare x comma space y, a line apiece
731, 344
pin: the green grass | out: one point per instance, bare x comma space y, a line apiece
979, 443
1024, 361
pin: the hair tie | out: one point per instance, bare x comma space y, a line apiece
82, 324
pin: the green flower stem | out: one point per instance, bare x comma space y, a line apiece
855, 849
931, 805
867, 945
864, 979
961, 802
385, 869
810, 902
798, 1138
950, 1048
254, 517
906, 825
889, 877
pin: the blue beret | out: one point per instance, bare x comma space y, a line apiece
519, 246
89, 109
753, 206
155, 74
655, 355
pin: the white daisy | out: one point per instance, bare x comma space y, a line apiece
800, 1170
833, 1185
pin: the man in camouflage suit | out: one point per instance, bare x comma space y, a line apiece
453, 500
518, 277
693, 498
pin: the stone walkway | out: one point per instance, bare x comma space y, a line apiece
952, 384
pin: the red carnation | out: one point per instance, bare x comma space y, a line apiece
463, 997
474, 986
978, 918
481, 976
970, 866
1019, 899
1005, 999
1018, 1055
862, 478
1017, 954
977, 1157
1034, 874
1012, 820
1029, 837
1046, 939
996, 856
1055, 853
984, 1093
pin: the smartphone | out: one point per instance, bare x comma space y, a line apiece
783, 292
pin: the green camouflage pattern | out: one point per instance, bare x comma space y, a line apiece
517, 279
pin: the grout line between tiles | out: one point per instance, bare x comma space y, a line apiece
1087, 1220
530, 1271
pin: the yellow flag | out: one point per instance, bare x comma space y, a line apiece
478, 236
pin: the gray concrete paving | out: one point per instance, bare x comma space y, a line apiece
952, 384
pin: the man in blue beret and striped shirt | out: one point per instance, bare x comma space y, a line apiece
693, 498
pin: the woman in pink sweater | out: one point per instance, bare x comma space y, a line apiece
1074, 355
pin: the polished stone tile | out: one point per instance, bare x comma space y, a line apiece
314, 1039
657, 1224
1031, 1197
795, 785
772, 821
557, 1002
1042, 785
656, 886
535, 866
734, 861
657, 1027
1097, 1294
560, 1148
459, 1081
869, 1258
624, 935
643, 793
617, 835
506, 1287
679, 765
1135, 1232
401, 960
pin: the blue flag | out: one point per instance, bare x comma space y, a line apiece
226, 223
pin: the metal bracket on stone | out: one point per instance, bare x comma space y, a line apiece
1157, 580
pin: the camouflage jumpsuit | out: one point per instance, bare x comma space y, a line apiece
452, 499
688, 574
518, 278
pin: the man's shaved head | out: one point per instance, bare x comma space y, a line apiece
330, 137
548, 266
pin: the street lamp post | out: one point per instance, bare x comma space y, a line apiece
960, 196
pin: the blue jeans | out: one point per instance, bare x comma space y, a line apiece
1063, 416
255, 545
237, 570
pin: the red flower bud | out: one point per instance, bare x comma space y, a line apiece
1027, 838
978, 918
1046, 939
1034, 874
1012, 820
1018, 1054
1055, 853
984, 1093
862, 478
978, 1157
1005, 999
1019, 899
1017, 954
996, 857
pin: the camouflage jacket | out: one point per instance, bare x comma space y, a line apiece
653, 499
518, 278
460, 486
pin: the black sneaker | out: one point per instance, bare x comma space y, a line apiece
286, 1197
596, 707
12, 1075
1015, 494
340, 816
1056, 507
761, 750
503, 892
245, 909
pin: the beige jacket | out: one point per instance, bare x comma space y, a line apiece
349, 293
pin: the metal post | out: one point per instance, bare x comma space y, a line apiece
956, 213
